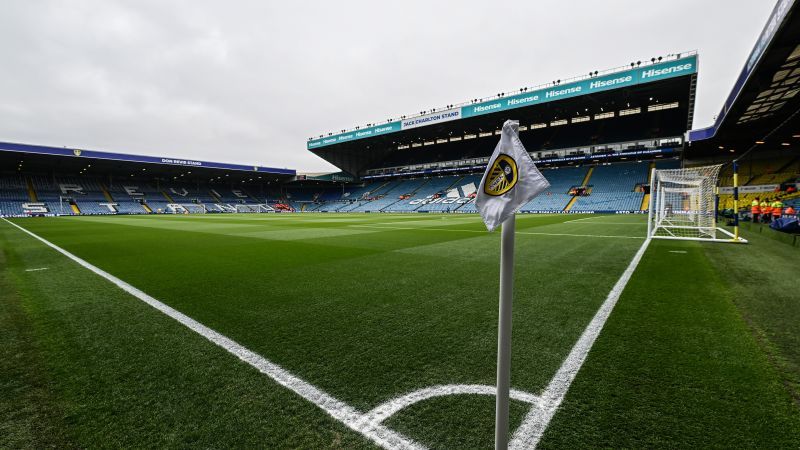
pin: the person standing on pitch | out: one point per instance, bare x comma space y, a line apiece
755, 209
765, 211
777, 208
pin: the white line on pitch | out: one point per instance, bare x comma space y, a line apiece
536, 421
385, 410
580, 220
610, 223
337, 409
484, 232
36, 269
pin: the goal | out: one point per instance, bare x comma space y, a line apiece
683, 205
253, 208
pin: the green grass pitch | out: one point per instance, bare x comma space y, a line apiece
700, 351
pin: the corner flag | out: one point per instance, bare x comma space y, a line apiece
511, 180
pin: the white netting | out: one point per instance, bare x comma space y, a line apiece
251, 208
682, 203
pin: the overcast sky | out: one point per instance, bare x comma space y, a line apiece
249, 81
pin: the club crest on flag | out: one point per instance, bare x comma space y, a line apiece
511, 179
502, 177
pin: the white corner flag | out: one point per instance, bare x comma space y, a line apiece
511, 180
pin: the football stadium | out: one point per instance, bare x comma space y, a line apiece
168, 302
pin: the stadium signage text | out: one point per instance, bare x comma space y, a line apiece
612, 82
750, 189
626, 78
430, 200
666, 71
181, 162
444, 116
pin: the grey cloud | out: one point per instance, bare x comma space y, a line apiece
249, 81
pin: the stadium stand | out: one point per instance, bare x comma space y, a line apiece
13, 193
390, 194
556, 197
612, 188
429, 190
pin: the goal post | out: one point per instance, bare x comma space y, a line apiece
683, 205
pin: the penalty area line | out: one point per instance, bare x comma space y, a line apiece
535, 423
532, 233
335, 408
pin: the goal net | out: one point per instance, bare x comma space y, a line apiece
683, 205
253, 208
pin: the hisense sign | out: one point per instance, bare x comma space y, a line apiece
626, 78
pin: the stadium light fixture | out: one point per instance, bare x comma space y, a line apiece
759, 142
732, 150
785, 144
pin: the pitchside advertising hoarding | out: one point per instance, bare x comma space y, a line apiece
626, 78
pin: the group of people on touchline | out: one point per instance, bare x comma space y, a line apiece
765, 211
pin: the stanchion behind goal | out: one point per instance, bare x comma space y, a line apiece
683, 205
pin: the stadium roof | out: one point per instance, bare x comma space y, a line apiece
64, 161
558, 115
764, 101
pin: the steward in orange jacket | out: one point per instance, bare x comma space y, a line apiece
777, 208
755, 209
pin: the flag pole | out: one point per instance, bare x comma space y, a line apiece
504, 333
